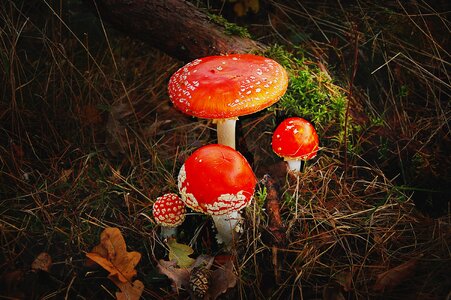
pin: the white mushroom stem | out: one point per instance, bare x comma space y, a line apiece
167, 232
294, 165
228, 227
226, 131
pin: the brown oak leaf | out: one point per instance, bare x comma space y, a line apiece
130, 291
112, 255
222, 277
90, 115
393, 277
179, 276
344, 278
43, 262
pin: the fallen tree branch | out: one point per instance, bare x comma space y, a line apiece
276, 227
176, 27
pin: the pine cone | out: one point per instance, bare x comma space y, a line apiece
199, 281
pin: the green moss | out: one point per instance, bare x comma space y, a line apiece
229, 28
311, 93
260, 196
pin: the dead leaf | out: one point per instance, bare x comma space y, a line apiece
90, 115
130, 291
11, 281
393, 277
65, 175
222, 259
239, 9
344, 278
112, 255
43, 262
221, 280
116, 132
253, 5
332, 292
18, 152
179, 276
180, 253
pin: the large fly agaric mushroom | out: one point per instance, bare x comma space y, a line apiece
296, 140
223, 88
217, 180
169, 211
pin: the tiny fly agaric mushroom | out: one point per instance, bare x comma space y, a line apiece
223, 88
217, 180
296, 140
169, 212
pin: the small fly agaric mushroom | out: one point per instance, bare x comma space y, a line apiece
217, 180
169, 211
295, 139
223, 88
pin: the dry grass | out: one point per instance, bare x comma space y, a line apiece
88, 139
346, 233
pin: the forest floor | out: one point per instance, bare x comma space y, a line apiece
89, 139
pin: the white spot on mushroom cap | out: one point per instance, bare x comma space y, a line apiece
227, 203
195, 62
187, 198
181, 177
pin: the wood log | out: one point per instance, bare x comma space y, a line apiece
176, 27
275, 226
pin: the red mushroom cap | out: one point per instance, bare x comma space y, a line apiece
216, 180
222, 87
169, 210
295, 138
